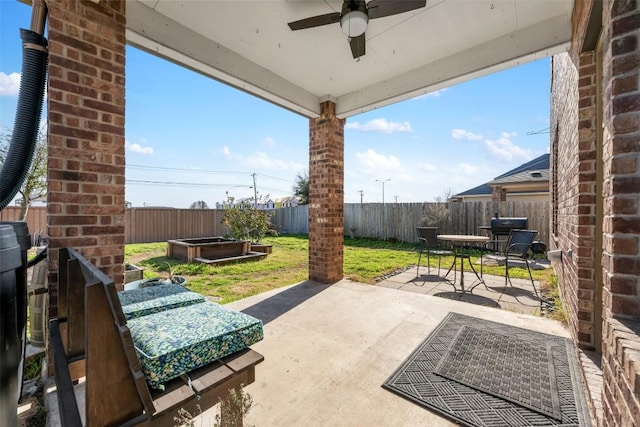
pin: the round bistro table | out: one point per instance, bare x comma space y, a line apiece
458, 241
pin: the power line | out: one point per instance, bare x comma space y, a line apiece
199, 184
187, 170
262, 187
538, 132
274, 177
185, 184
207, 171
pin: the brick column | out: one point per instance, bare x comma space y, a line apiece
582, 309
86, 163
621, 188
326, 195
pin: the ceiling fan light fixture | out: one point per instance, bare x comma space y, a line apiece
354, 23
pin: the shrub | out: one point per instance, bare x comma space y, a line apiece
246, 223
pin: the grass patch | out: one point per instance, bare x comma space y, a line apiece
288, 264
549, 285
365, 260
33, 366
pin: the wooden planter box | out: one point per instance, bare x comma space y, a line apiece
132, 273
259, 247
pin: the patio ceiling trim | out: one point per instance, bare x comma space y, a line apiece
159, 35
535, 42
155, 33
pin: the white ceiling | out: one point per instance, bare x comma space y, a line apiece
248, 44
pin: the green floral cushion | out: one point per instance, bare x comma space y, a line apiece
142, 302
172, 343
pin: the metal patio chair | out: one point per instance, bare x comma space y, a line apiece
429, 244
518, 247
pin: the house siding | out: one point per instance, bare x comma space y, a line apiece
577, 187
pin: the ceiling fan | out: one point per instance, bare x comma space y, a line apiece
354, 17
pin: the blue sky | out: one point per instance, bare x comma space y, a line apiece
191, 138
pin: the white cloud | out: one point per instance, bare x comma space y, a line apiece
378, 162
508, 134
9, 84
269, 142
467, 169
427, 167
137, 148
434, 94
504, 149
380, 125
226, 152
261, 160
465, 134
464, 176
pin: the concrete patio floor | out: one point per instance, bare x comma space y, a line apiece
328, 348
520, 297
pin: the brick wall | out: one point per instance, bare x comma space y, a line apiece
577, 106
86, 133
326, 195
585, 219
565, 130
621, 191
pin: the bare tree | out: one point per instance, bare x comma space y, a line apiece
436, 213
34, 187
200, 204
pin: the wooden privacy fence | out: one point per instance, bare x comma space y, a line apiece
399, 220
374, 220
144, 225
36, 218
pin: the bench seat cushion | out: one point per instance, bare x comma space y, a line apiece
172, 343
142, 302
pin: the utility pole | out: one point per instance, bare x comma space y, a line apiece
396, 197
384, 223
383, 181
361, 195
255, 191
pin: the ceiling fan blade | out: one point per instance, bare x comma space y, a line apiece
357, 46
315, 21
382, 8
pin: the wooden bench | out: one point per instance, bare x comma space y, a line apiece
91, 339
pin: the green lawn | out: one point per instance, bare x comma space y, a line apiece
364, 261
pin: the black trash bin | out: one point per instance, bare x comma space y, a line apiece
10, 331
23, 237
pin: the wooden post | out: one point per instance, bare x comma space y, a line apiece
111, 394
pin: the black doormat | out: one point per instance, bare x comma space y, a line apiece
482, 373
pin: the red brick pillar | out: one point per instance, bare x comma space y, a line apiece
326, 195
86, 163
621, 248
582, 310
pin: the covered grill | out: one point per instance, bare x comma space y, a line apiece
503, 226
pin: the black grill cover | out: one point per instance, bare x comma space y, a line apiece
502, 226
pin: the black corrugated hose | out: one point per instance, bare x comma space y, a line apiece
25, 128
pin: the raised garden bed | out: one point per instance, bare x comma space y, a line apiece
259, 247
132, 273
212, 250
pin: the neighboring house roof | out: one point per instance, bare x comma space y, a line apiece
538, 175
534, 171
287, 199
